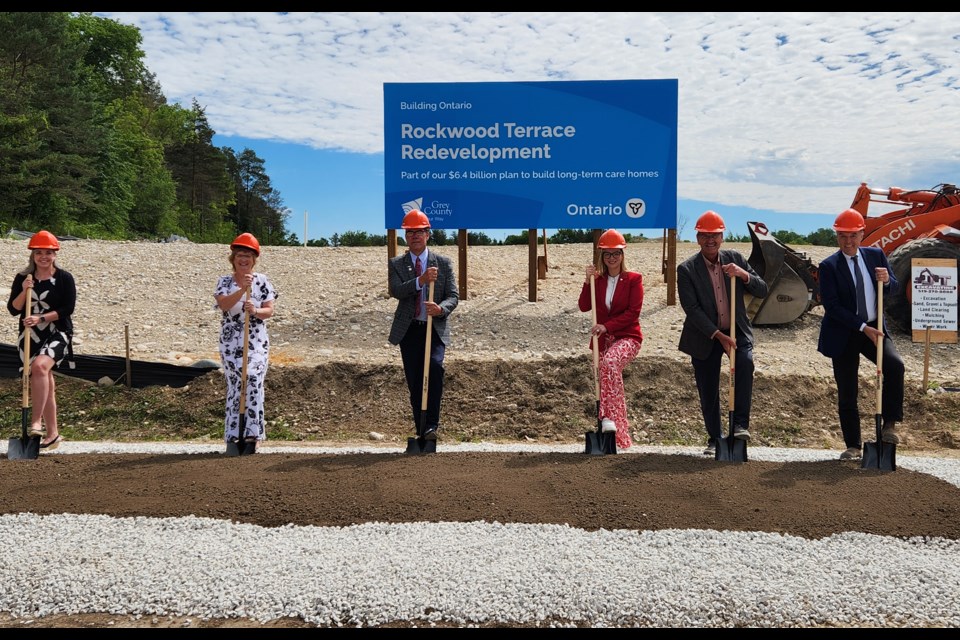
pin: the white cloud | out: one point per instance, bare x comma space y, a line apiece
779, 111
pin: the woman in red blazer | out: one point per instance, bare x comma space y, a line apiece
619, 297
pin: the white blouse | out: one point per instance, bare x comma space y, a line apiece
611, 287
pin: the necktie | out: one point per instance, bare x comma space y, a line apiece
861, 296
419, 307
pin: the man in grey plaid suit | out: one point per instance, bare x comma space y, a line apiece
409, 329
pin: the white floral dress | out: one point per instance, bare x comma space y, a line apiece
231, 355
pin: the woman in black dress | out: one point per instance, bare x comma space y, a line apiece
44, 296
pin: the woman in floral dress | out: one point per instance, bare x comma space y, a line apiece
232, 301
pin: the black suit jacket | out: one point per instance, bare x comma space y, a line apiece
838, 295
700, 305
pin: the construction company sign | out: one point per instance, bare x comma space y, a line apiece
528, 155
934, 296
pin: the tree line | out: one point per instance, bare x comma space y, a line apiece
441, 237
89, 146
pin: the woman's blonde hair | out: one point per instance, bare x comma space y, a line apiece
602, 266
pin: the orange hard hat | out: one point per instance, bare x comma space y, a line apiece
43, 240
849, 220
246, 241
710, 222
415, 219
611, 239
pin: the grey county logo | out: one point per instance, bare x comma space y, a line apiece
636, 208
413, 204
435, 210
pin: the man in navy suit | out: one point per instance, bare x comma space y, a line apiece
849, 329
410, 286
703, 284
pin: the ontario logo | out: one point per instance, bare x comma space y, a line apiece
633, 208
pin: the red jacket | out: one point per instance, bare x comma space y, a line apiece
623, 318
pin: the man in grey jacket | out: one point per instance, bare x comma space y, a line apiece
703, 285
409, 278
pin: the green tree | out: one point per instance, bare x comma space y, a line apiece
571, 236
354, 239
140, 174
439, 237
479, 239
789, 237
205, 190
54, 123
823, 238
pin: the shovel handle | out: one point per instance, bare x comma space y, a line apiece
880, 348
243, 366
595, 340
733, 336
26, 366
426, 357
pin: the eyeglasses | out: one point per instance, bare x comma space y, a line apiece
418, 232
611, 254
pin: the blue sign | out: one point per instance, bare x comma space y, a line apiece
528, 155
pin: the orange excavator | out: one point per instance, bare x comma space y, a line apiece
928, 227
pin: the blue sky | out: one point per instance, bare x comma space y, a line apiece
781, 115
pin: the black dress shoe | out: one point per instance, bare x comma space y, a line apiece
430, 433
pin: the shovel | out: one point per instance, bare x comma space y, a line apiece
25, 447
879, 455
241, 447
597, 442
731, 449
419, 444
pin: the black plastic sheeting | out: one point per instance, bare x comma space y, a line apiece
93, 368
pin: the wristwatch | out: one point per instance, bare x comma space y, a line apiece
41, 317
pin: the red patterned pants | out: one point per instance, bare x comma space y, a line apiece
613, 402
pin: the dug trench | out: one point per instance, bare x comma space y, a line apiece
542, 401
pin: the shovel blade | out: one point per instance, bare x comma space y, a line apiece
235, 449
240, 447
599, 444
731, 449
416, 446
23, 448
879, 455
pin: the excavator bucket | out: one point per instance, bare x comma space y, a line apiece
791, 277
